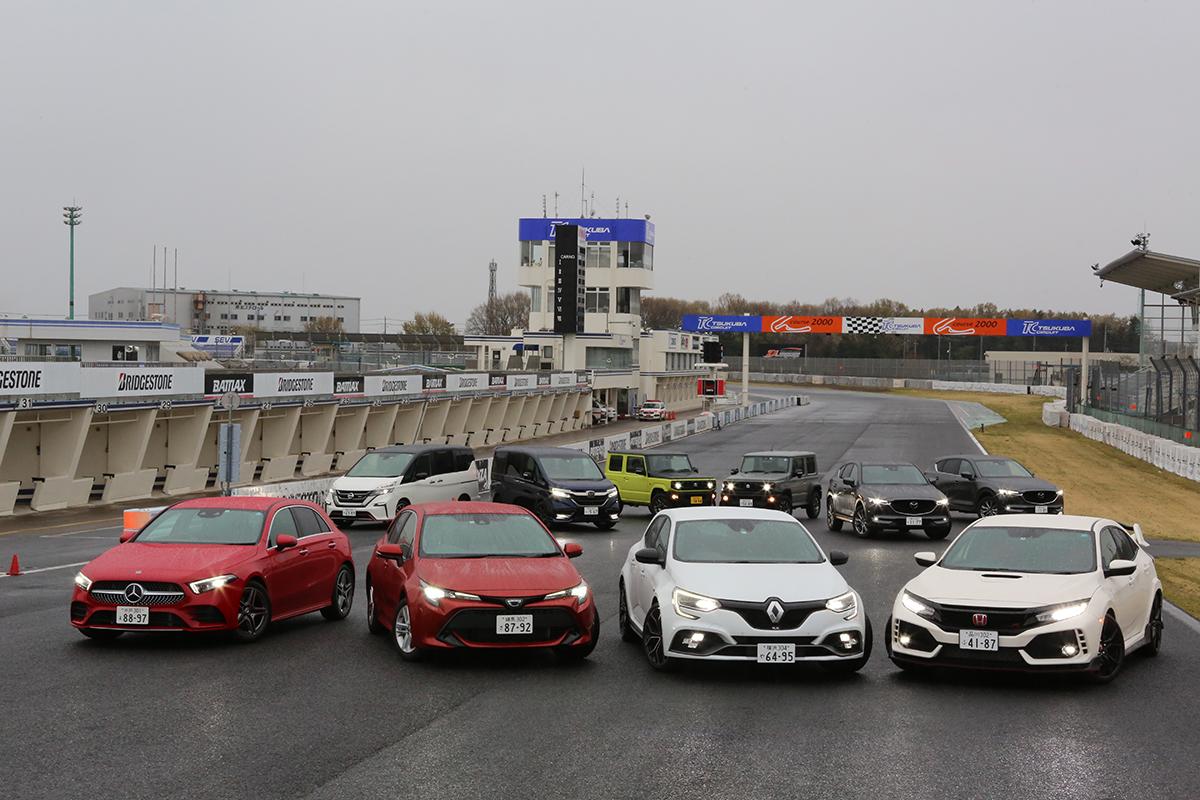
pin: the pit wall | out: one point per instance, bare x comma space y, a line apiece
1178, 459
902, 383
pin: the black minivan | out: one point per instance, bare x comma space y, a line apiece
556, 483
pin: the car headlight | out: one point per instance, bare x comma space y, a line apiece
579, 592
686, 603
842, 604
917, 605
435, 594
676, 485
613, 492
710, 484
387, 487
943, 502
1063, 612
877, 501
766, 487
83, 581
1007, 492
1059, 493
562, 494
208, 584
729, 487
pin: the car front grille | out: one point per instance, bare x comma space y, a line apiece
1005, 621
755, 614
692, 486
347, 498
1040, 498
742, 487
149, 593
590, 498
478, 625
915, 507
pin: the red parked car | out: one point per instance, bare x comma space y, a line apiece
218, 564
478, 575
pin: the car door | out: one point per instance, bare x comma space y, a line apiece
391, 575
641, 594
1138, 588
844, 499
464, 479
322, 559
418, 486
287, 576
615, 472
636, 480
1120, 587
947, 478
442, 481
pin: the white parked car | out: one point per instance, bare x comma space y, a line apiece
652, 411
739, 584
1031, 593
386, 480
602, 414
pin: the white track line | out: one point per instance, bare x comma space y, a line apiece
43, 569
1187, 619
954, 410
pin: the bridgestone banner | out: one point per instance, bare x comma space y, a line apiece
26, 378
393, 385
292, 384
141, 381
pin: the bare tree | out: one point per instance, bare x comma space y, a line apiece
323, 325
430, 323
500, 316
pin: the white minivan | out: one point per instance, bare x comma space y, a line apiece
386, 480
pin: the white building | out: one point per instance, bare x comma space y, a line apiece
209, 311
92, 340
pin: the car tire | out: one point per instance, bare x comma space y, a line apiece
1154, 628
987, 506
653, 646
401, 632
854, 664
813, 509
1110, 654
342, 599
254, 613
831, 520
658, 502
784, 503
937, 533
624, 625
544, 513
100, 634
373, 623
862, 528
570, 653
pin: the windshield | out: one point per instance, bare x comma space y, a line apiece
745, 541
765, 464
483, 535
1002, 468
652, 404
204, 526
900, 474
660, 465
380, 465
570, 468
1034, 550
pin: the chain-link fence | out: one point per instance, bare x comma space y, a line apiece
1162, 399
1022, 373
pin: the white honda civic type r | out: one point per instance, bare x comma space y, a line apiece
739, 584
1031, 593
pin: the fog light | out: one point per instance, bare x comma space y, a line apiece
905, 639
1069, 650
674, 497
848, 640
694, 640
770, 499
724, 498
562, 516
615, 516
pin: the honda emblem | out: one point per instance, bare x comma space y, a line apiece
979, 620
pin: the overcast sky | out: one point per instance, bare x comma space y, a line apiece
937, 153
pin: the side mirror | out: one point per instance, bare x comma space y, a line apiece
931, 477
733, 471
284, 540
573, 549
837, 558
127, 536
420, 476
925, 558
527, 475
647, 555
967, 475
850, 483
390, 551
1120, 567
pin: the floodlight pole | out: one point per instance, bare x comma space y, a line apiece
72, 217
745, 367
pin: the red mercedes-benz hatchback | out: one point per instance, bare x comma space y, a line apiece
218, 564
478, 575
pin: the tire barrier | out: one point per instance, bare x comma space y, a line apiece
1178, 459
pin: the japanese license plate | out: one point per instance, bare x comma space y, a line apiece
1041, 509
133, 615
777, 653
697, 500
913, 522
591, 511
746, 503
979, 640
514, 624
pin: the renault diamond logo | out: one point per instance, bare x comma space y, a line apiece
514, 602
134, 592
774, 611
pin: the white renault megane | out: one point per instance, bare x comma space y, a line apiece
1031, 593
739, 584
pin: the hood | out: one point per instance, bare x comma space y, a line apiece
966, 587
175, 563
889, 491
348, 484
500, 576
756, 582
758, 476
598, 486
1019, 484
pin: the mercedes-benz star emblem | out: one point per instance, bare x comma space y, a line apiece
774, 611
134, 592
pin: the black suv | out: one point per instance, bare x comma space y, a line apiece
781, 479
987, 485
556, 483
872, 497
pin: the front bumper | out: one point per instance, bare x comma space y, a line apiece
727, 636
888, 518
756, 500
1019, 505
468, 624
373, 509
569, 510
212, 611
913, 639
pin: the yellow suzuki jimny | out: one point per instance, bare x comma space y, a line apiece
659, 480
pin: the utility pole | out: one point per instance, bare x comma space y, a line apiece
72, 216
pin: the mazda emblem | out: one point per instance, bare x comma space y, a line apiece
514, 602
979, 620
774, 611
134, 593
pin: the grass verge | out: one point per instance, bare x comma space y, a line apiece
1181, 582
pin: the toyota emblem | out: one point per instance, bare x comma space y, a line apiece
134, 593
979, 620
774, 611
514, 602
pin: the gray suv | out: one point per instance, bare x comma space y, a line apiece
780, 479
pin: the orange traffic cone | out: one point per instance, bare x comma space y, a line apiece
14, 568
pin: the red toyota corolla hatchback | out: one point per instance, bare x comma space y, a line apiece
218, 564
478, 575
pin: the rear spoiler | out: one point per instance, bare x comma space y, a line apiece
1135, 530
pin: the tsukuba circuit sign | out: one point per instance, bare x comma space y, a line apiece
930, 326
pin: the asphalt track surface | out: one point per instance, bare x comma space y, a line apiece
325, 710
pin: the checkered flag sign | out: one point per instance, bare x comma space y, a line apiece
862, 324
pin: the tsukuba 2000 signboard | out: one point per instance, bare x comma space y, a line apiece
873, 326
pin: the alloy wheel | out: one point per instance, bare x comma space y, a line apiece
988, 507
1111, 652
658, 503
1156, 627
344, 591
252, 611
860, 523
402, 629
652, 640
